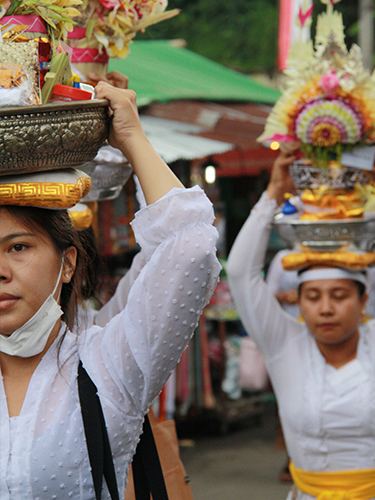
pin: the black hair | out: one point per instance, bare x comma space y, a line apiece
94, 278
57, 225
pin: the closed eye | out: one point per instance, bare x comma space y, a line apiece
340, 296
312, 297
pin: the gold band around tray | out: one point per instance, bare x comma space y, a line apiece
44, 194
348, 260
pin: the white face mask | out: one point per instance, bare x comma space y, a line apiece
31, 338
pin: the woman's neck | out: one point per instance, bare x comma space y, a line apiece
17, 373
341, 353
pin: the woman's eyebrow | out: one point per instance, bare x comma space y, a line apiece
311, 289
12, 236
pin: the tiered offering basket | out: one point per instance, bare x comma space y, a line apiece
330, 234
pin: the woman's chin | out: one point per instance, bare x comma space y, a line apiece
332, 338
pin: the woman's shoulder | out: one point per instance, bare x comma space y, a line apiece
369, 326
367, 333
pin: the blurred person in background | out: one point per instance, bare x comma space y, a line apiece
322, 369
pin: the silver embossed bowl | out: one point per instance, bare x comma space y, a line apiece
107, 180
329, 235
51, 136
307, 176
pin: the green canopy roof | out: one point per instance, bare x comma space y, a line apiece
159, 71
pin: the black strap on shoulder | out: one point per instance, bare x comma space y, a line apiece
147, 471
98, 445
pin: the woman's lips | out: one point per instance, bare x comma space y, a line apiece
7, 301
328, 326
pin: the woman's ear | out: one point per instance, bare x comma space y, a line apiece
364, 300
70, 260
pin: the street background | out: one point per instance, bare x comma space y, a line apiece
242, 464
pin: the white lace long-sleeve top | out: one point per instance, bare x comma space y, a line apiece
88, 316
43, 453
327, 414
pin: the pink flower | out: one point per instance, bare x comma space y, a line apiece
329, 83
110, 4
304, 16
281, 138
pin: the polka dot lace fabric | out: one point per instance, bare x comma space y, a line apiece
43, 451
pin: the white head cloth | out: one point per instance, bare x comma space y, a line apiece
328, 273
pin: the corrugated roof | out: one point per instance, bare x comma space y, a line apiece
160, 72
237, 123
172, 140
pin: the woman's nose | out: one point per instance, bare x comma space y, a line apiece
326, 305
5, 272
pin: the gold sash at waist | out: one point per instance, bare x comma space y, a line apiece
342, 485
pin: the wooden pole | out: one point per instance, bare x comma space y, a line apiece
366, 32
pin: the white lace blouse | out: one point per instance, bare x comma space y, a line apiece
43, 453
327, 414
87, 316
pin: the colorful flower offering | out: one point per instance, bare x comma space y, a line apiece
114, 23
58, 42
328, 106
326, 115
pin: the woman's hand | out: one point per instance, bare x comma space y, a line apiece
125, 124
280, 181
288, 297
127, 135
114, 78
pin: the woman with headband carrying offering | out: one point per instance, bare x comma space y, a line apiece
321, 199
322, 370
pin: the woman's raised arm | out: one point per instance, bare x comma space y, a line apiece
261, 314
126, 134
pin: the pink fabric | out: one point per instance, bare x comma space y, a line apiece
285, 32
34, 23
88, 55
77, 33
